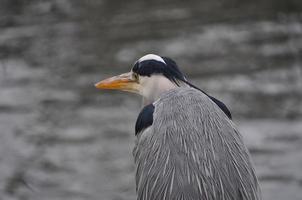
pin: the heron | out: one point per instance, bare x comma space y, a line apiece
187, 146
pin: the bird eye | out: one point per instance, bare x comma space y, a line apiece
135, 76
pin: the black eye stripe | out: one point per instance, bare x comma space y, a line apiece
169, 69
148, 67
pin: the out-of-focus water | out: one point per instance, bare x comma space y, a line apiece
62, 139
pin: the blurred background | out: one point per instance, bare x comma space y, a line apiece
63, 139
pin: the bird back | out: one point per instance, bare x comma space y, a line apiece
192, 151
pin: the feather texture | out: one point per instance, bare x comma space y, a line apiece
192, 151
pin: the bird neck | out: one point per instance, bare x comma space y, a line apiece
155, 86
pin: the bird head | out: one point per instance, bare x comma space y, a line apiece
150, 76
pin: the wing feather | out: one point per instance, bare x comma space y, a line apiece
192, 151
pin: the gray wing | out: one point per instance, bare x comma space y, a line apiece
192, 151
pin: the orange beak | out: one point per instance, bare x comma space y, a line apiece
124, 82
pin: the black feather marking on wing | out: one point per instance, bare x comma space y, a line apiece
144, 119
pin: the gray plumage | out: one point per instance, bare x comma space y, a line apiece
192, 151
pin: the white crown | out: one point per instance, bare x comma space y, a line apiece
151, 57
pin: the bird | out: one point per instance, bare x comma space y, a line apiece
187, 146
